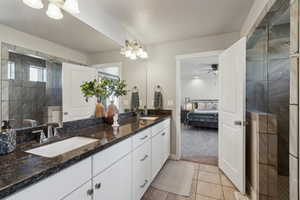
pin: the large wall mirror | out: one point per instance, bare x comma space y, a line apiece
44, 62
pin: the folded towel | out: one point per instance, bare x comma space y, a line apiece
135, 100
158, 100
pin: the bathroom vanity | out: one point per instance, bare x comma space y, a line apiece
114, 166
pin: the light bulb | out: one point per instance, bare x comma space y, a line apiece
128, 53
71, 6
37, 4
54, 12
144, 55
140, 52
133, 56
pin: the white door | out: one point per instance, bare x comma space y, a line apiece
232, 77
157, 147
74, 105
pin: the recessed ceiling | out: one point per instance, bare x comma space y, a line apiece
155, 21
69, 31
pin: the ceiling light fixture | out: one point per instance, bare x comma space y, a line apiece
54, 11
55, 7
133, 50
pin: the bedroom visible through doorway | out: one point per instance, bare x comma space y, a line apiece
199, 109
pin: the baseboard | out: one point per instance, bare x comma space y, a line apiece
173, 157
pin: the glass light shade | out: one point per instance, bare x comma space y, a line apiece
133, 56
140, 52
54, 12
37, 4
144, 55
71, 6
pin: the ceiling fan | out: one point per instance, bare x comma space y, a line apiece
209, 69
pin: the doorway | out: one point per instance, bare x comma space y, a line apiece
197, 84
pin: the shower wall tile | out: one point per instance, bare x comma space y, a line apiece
294, 132
294, 81
294, 33
293, 178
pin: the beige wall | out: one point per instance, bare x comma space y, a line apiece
18, 38
161, 66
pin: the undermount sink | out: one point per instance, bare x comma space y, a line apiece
58, 148
148, 118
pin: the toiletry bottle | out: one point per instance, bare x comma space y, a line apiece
145, 111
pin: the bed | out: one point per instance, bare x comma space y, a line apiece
204, 114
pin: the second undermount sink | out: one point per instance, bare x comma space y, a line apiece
149, 118
61, 147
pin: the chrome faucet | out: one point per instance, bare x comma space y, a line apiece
43, 137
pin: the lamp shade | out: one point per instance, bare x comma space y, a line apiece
37, 4
54, 12
71, 6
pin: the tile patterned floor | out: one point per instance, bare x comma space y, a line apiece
209, 183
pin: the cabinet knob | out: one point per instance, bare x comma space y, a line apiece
90, 192
163, 134
145, 183
98, 186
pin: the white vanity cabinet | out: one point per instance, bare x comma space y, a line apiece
123, 171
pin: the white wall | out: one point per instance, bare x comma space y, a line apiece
161, 66
257, 12
18, 38
203, 88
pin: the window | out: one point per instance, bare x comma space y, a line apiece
11, 70
37, 74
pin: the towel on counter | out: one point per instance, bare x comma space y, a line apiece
135, 100
158, 100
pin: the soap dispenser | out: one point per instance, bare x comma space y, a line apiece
7, 138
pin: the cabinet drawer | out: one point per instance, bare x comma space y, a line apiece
141, 138
142, 170
106, 158
160, 127
58, 185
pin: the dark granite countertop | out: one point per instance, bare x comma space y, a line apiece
20, 169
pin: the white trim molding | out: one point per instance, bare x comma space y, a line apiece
179, 58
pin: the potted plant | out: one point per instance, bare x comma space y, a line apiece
101, 89
118, 88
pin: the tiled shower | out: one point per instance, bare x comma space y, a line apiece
268, 101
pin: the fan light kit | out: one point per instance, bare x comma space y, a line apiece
55, 7
133, 50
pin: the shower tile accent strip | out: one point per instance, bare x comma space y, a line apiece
263, 159
294, 101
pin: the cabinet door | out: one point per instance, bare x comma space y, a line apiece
157, 146
115, 183
85, 192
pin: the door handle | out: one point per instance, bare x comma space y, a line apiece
238, 123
